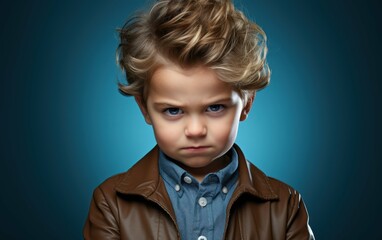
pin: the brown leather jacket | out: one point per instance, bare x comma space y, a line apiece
135, 205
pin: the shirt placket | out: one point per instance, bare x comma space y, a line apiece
204, 210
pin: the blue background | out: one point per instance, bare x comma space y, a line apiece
65, 128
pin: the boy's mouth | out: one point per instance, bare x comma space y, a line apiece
195, 148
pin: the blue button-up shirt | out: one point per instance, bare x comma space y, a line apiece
200, 208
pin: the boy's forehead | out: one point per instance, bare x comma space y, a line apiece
198, 82
172, 76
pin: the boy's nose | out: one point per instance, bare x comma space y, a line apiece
195, 128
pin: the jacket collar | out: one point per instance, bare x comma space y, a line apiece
252, 180
143, 179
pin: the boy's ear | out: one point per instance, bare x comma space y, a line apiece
247, 107
143, 108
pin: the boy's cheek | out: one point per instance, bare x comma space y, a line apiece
166, 137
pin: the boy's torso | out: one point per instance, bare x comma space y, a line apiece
136, 205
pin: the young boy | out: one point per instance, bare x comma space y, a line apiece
193, 67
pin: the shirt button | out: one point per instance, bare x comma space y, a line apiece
202, 238
202, 202
187, 179
225, 190
177, 188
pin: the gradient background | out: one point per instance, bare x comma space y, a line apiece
65, 128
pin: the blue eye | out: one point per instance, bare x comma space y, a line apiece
215, 108
172, 111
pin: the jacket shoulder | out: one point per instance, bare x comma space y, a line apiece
141, 178
282, 189
260, 180
288, 209
111, 182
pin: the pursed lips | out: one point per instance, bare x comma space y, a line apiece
195, 147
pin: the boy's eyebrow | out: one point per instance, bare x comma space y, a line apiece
216, 100
164, 104
225, 99
206, 103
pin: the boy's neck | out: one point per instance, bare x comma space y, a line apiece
214, 166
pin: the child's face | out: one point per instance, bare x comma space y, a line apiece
195, 116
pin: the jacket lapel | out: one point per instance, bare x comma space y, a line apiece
143, 179
252, 180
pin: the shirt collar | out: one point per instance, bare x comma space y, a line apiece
173, 173
226, 174
144, 179
170, 172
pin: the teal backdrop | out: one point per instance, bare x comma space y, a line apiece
65, 128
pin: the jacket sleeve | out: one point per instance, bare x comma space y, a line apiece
298, 220
101, 222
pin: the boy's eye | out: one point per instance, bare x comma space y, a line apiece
215, 108
172, 111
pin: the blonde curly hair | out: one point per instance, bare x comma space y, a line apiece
188, 33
